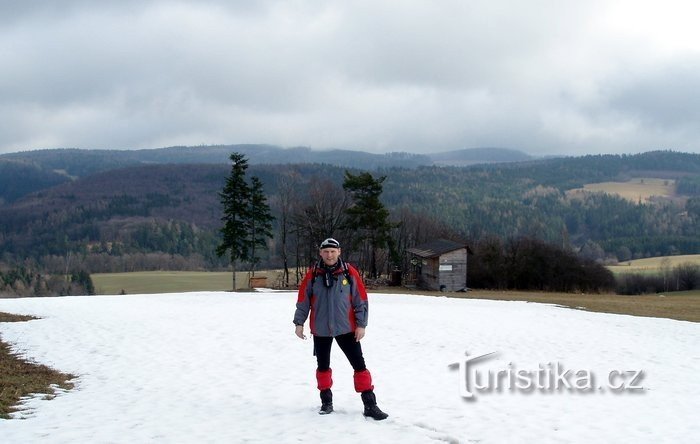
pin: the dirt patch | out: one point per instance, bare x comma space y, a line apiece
20, 378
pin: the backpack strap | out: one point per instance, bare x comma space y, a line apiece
343, 264
316, 266
346, 273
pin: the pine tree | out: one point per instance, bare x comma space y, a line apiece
260, 220
235, 198
367, 215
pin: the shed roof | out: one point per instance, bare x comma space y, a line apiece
436, 248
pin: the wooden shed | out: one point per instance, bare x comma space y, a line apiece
441, 265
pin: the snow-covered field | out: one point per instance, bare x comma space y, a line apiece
225, 367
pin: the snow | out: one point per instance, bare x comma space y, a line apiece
227, 367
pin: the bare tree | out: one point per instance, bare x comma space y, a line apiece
284, 202
320, 216
415, 228
687, 276
666, 273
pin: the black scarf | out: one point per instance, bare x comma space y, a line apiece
329, 272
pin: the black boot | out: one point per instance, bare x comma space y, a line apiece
326, 402
371, 409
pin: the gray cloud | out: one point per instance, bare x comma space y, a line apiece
662, 96
549, 78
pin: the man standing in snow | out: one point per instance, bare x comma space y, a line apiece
333, 292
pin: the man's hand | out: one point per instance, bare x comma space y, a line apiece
299, 331
359, 333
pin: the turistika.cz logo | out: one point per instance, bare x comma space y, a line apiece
549, 377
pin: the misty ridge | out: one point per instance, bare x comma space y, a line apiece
80, 162
24, 172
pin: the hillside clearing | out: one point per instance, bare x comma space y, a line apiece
654, 264
634, 190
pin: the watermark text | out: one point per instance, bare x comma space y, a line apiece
547, 377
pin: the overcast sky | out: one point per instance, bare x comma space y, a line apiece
542, 76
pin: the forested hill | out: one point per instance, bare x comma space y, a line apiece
174, 210
45, 168
171, 209
80, 162
531, 198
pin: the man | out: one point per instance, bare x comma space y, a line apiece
333, 292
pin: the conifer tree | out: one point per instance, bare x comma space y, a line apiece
235, 198
367, 215
260, 220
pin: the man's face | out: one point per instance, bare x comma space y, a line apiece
330, 256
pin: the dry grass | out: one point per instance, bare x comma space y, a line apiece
20, 378
7, 317
683, 307
633, 190
654, 264
149, 282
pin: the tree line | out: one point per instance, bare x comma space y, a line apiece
24, 281
682, 277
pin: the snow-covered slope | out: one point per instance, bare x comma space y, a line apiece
225, 367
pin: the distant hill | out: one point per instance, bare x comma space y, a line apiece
19, 178
49, 167
471, 156
81, 162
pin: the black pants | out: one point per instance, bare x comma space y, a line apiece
347, 343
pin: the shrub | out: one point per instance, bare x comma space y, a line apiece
531, 264
637, 283
686, 276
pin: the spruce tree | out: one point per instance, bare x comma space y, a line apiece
235, 198
260, 220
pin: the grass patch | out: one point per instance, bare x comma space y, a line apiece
682, 306
20, 378
149, 282
8, 317
635, 190
652, 265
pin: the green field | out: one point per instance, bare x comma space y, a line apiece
148, 282
145, 282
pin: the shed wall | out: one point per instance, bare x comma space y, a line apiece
447, 272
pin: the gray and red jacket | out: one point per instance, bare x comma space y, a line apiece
334, 310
